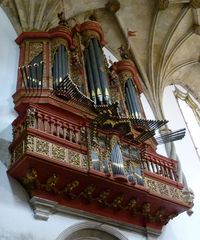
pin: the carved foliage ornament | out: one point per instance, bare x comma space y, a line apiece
35, 48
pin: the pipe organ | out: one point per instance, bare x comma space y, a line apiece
60, 65
81, 139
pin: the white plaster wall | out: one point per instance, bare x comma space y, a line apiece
9, 53
183, 227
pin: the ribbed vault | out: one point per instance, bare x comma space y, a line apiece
165, 50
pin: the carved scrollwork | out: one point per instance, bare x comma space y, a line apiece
58, 152
35, 48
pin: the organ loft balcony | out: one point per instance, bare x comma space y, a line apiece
81, 141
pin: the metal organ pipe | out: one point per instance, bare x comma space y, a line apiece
60, 63
60, 68
90, 77
117, 160
95, 72
132, 96
137, 104
57, 70
101, 70
131, 103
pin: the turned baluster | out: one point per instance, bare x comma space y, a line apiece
77, 134
67, 132
73, 135
157, 167
40, 121
152, 166
57, 128
61, 130
52, 126
46, 124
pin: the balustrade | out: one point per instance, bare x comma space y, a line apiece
48, 124
159, 165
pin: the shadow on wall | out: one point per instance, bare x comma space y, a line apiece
4, 152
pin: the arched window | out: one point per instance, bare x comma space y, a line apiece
190, 111
91, 231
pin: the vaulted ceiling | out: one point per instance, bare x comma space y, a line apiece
166, 48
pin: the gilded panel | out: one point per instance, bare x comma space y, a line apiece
29, 144
74, 158
42, 147
58, 152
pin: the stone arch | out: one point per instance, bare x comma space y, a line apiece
91, 231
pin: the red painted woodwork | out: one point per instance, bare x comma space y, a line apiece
45, 120
128, 65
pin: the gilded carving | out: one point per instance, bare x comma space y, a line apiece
160, 215
103, 197
151, 185
88, 191
84, 162
146, 209
123, 77
74, 158
42, 147
174, 193
58, 152
35, 48
31, 180
117, 202
114, 140
87, 35
163, 189
51, 183
132, 205
29, 143
30, 177
71, 186
30, 118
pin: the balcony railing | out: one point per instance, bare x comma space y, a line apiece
62, 134
159, 165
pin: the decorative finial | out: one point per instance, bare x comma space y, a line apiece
113, 6
124, 53
62, 19
93, 16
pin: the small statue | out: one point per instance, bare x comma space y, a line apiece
117, 202
62, 19
124, 53
75, 60
51, 183
114, 78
